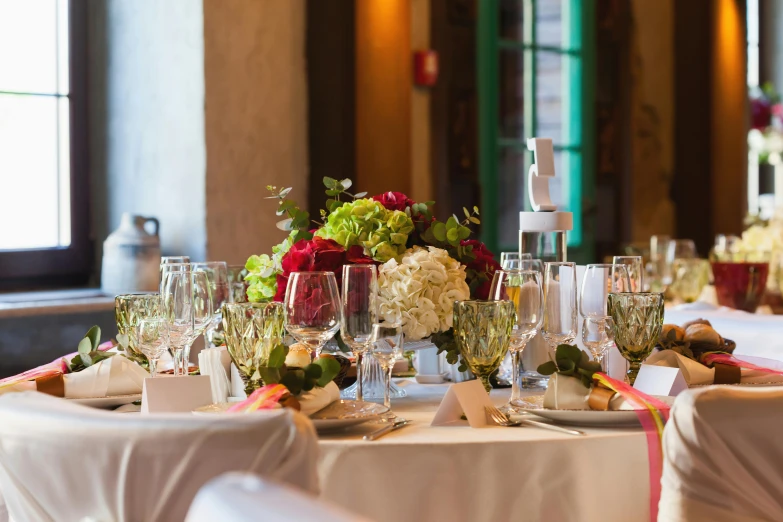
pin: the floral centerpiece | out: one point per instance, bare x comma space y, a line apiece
424, 265
763, 240
765, 137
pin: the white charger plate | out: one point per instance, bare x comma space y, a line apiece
108, 402
338, 415
586, 417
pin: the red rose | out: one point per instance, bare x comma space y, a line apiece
760, 113
481, 270
394, 200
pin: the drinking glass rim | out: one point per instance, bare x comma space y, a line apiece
315, 272
640, 294
605, 265
484, 301
560, 263
249, 304
362, 265
131, 296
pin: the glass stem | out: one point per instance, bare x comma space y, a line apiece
186, 359
601, 359
359, 363
177, 361
387, 370
515, 376
153, 367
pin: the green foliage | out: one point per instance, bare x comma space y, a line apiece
570, 361
297, 380
446, 343
670, 342
87, 352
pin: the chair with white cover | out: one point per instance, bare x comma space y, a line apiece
243, 497
65, 462
723, 460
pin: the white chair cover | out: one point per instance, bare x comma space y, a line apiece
65, 462
242, 497
723, 460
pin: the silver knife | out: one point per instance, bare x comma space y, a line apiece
377, 434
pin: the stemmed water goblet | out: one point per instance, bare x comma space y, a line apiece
128, 310
359, 313
635, 268
598, 282
598, 336
638, 319
152, 339
560, 310
187, 307
386, 345
312, 308
523, 288
678, 249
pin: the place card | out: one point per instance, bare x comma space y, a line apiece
660, 380
467, 397
176, 394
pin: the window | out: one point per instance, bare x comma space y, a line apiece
535, 65
44, 212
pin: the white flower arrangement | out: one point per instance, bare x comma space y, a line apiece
419, 291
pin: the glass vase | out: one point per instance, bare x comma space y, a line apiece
373, 383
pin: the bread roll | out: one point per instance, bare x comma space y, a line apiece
702, 333
679, 333
298, 356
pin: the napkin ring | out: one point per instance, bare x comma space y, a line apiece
600, 397
51, 385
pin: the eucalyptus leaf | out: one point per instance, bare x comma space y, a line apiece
359, 195
86, 359
293, 380
548, 368
85, 346
330, 182
277, 356
285, 225
439, 231
308, 384
268, 375
346, 183
330, 368
313, 371
94, 335
123, 340
283, 193
568, 351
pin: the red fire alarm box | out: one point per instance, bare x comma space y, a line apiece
425, 67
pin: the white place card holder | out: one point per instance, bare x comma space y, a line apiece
660, 380
176, 394
467, 397
237, 385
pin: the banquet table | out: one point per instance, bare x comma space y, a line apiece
458, 473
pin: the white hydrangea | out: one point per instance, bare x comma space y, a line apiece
419, 291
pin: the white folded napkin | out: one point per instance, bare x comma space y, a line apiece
697, 374
110, 377
568, 393
318, 398
210, 363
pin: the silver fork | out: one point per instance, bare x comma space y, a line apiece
499, 418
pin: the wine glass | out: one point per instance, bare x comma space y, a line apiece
523, 288
360, 313
128, 310
312, 308
152, 338
598, 336
678, 249
560, 324
511, 260
202, 311
657, 266
187, 307
482, 332
635, 268
386, 346
638, 319
217, 278
532, 264
598, 281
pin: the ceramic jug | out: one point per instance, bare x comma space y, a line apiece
131, 257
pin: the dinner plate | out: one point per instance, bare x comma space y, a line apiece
108, 402
338, 415
585, 417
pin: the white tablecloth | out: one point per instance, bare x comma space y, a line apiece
458, 473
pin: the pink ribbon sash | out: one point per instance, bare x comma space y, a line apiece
710, 358
653, 415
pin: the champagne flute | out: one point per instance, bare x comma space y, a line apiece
360, 313
202, 312
560, 324
598, 336
152, 338
177, 302
523, 288
217, 278
635, 272
511, 260
312, 308
598, 282
386, 347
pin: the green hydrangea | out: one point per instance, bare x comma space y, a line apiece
383, 233
263, 271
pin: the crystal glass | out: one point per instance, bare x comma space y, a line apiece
128, 310
251, 331
482, 331
559, 326
689, 276
187, 306
511, 260
360, 313
635, 268
313, 312
598, 282
598, 336
532, 264
678, 249
152, 338
387, 347
657, 268
172, 260
236, 284
740, 284
523, 288
638, 318
217, 278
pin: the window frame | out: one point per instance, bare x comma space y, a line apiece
71, 265
578, 79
